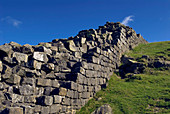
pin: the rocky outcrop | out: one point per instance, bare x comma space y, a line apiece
62, 75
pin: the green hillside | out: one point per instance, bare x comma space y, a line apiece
145, 92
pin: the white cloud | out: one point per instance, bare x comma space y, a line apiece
127, 20
11, 21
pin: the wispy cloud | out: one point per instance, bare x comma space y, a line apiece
127, 20
12, 21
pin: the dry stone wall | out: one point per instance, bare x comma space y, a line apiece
62, 75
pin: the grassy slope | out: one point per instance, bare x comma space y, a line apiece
148, 93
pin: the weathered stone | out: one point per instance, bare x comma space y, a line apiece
104, 109
44, 82
10, 60
45, 110
55, 83
37, 108
43, 49
55, 108
62, 91
57, 99
48, 100
27, 49
83, 48
40, 56
72, 46
14, 79
1, 66
48, 67
35, 64
29, 99
30, 81
20, 57
86, 95
14, 110
6, 50
6, 72
28, 110
26, 90
17, 98
66, 101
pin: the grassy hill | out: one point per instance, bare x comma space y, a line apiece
146, 92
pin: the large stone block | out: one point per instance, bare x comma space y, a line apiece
55, 108
26, 90
86, 95
27, 49
57, 99
29, 99
20, 57
6, 50
40, 56
62, 91
44, 82
30, 81
14, 110
14, 79
48, 100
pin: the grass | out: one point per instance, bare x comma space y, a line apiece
152, 50
143, 93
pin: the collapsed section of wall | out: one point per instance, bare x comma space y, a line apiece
62, 75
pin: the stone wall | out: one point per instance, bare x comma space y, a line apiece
62, 75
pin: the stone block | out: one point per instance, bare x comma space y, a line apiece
14, 110
80, 78
48, 100
1, 66
20, 57
35, 64
40, 56
72, 46
57, 99
62, 91
28, 110
6, 50
14, 79
17, 98
86, 95
44, 82
55, 83
48, 67
30, 81
37, 108
29, 99
26, 90
70, 93
79, 88
83, 48
45, 110
55, 108
66, 101
27, 49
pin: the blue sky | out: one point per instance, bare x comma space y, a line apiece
34, 21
